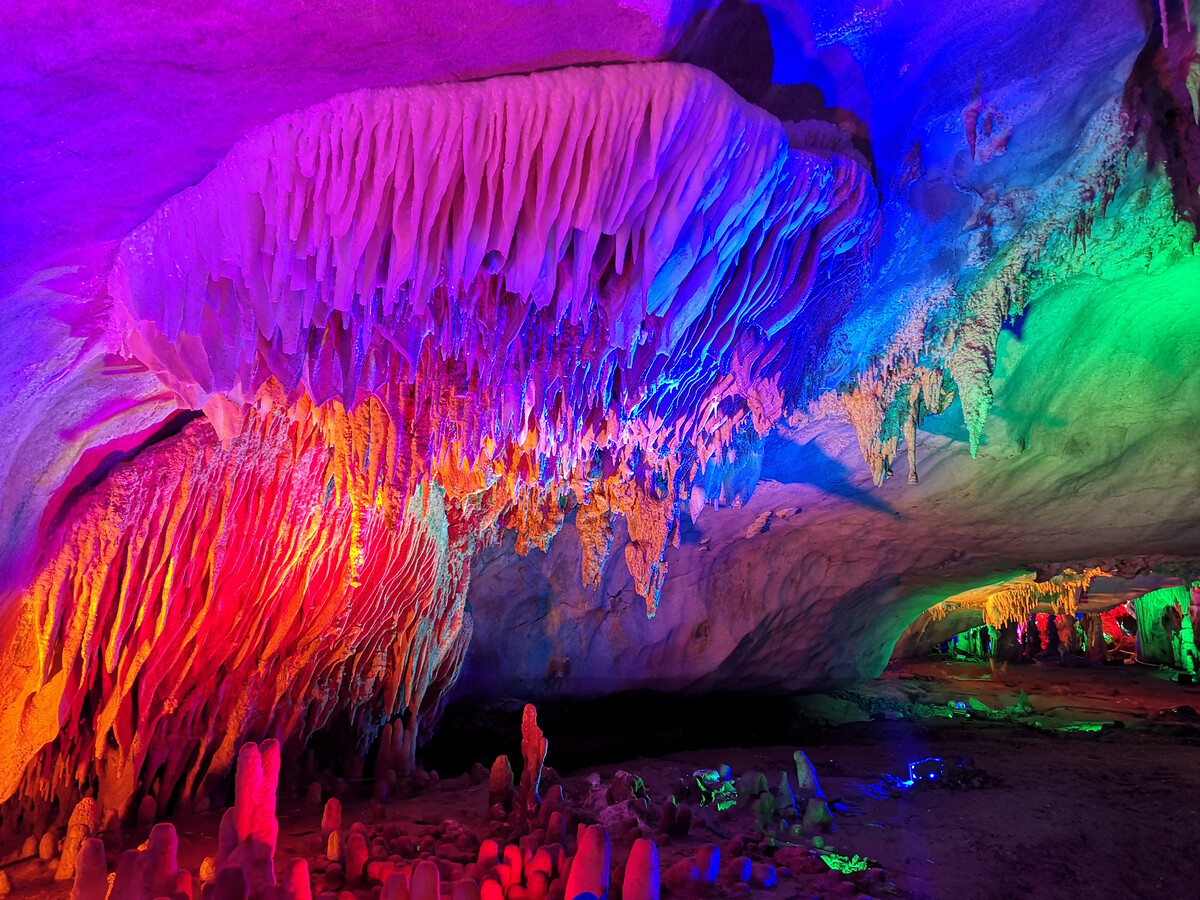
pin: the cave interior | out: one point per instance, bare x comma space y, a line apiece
599, 449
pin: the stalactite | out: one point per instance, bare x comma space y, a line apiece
413, 318
528, 272
207, 595
1014, 603
879, 400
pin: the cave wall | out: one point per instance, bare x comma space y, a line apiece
330, 341
392, 326
1088, 460
211, 594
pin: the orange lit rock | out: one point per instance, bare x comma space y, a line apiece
500, 784
479, 320
242, 590
533, 752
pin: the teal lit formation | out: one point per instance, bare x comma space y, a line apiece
846, 864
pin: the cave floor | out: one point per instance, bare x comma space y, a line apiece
1057, 815
1059, 696
1039, 809
1094, 792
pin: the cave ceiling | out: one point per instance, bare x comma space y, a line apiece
352, 352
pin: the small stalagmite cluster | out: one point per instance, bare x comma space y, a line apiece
600, 844
244, 866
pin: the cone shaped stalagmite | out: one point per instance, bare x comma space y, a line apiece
500, 783
91, 872
641, 872
589, 868
249, 829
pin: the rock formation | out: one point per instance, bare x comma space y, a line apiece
641, 872
83, 825
151, 871
590, 866
91, 872
249, 828
329, 302
309, 378
533, 752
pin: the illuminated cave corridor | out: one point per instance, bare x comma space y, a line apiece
629, 449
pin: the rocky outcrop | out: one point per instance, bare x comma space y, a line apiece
256, 563
411, 317
254, 441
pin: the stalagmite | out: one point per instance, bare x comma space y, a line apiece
333, 847
147, 810
806, 776
91, 872
785, 800
533, 752
83, 824
683, 877
249, 828
641, 872
356, 858
556, 829
589, 868
426, 881
394, 749
231, 884
708, 863
500, 783
331, 817
150, 873
395, 888
489, 854
294, 885
817, 817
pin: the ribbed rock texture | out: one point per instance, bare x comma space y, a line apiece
585, 281
1031, 304
258, 420
206, 595
411, 317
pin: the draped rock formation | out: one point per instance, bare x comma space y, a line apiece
583, 281
301, 373
412, 318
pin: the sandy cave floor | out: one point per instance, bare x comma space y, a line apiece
1110, 813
